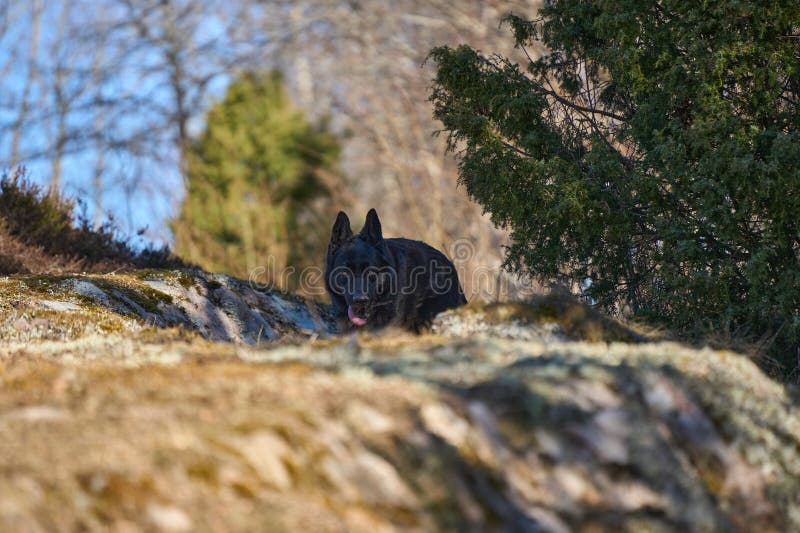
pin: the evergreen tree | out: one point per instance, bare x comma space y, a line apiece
254, 197
654, 148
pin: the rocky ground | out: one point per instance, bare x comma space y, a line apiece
184, 401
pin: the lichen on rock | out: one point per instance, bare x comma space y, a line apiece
492, 421
215, 307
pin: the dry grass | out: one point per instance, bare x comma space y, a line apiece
40, 234
16, 257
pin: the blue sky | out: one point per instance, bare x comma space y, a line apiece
141, 187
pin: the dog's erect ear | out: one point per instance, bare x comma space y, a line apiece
371, 232
341, 229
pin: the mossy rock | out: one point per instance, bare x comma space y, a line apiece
119, 409
554, 317
395, 432
215, 307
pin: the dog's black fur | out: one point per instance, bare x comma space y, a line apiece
374, 282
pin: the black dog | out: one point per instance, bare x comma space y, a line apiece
374, 281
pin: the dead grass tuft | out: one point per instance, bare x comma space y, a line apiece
40, 234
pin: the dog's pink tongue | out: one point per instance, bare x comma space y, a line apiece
357, 320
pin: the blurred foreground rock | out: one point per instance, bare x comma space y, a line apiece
505, 419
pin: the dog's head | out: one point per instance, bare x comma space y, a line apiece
360, 268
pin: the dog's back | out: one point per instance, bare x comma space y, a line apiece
429, 275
